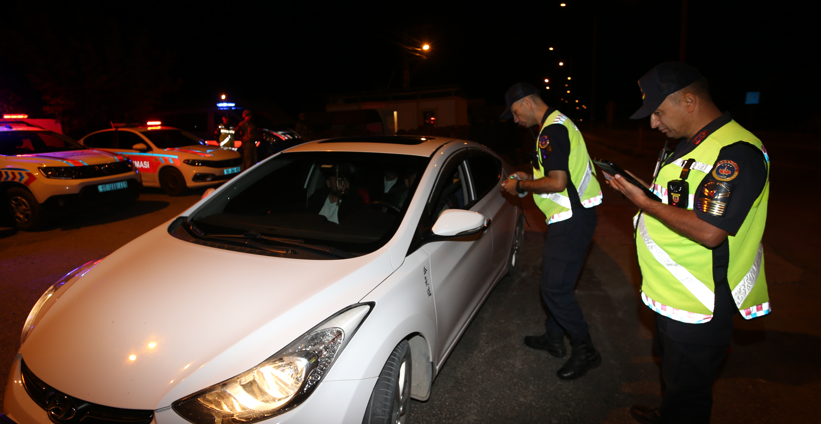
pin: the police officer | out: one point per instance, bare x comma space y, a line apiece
714, 189
248, 134
225, 133
565, 189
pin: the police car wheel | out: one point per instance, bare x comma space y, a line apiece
28, 215
172, 182
390, 400
516, 247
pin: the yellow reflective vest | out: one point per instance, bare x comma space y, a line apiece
677, 273
556, 206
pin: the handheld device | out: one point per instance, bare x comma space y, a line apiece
613, 169
516, 177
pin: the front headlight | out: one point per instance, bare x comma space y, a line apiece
194, 162
31, 320
279, 383
59, 172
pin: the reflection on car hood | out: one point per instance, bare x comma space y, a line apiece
82, 157
162, 318
205, 152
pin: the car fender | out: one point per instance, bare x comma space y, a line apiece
404, 309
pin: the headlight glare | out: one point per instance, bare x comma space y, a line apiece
279, 383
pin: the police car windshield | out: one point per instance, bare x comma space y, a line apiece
14, 143
334, 199
167, 139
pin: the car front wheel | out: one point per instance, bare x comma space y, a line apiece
172, 182
27, 213
390, 400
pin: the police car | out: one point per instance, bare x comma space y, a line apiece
261, 305
167, 157
45, 174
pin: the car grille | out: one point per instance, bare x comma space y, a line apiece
222, 163
64, 409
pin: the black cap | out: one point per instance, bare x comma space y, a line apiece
515, 93
662, 81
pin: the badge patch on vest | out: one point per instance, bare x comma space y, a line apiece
725, 170
543, 141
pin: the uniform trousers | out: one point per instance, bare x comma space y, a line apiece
691, 356
565, 249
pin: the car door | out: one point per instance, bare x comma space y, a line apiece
486, 172
460, 267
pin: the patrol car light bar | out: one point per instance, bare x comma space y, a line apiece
15, 116
153, 123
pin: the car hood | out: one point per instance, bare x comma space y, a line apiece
162, 318
71, 158
206, 152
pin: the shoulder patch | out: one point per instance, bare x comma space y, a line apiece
725, 170
560, 118
543, 141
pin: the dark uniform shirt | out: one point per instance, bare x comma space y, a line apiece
747, 186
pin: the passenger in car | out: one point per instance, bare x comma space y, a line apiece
338, 200
391, 187
409, 180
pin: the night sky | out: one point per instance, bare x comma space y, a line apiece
295, 55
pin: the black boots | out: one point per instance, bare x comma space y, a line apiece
584, 357
553, 344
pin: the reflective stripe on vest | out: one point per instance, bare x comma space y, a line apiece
703, 167
746, 286
673, 313
564, 201
693, 285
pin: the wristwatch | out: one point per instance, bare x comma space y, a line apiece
519, 189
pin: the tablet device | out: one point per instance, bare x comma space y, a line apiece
613, 169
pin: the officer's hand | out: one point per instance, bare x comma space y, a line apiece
509, 185
628, 189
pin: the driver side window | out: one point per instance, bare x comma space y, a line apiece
451, 190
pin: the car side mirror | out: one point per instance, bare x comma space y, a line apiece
459, 223
140, 146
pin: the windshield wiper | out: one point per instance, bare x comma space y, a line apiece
251, 235
246, 242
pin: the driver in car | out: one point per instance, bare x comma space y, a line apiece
338, 200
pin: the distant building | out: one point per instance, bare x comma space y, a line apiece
407, 109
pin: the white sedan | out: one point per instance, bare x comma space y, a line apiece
326, 284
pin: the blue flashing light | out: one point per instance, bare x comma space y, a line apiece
226, 105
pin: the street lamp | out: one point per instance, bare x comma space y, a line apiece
546, 80
426, 47
561, 63
223, 97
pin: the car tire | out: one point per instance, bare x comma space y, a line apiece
515, 257
390, 400
28, 215
172, 182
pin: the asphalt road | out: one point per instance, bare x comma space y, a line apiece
771, 374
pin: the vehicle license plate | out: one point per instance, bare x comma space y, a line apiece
233, 170
113, 186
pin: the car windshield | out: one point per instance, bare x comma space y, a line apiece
14, 143
167, 139
337, 200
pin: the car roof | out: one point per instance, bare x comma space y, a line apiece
406, 145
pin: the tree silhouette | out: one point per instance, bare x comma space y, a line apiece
90, 69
